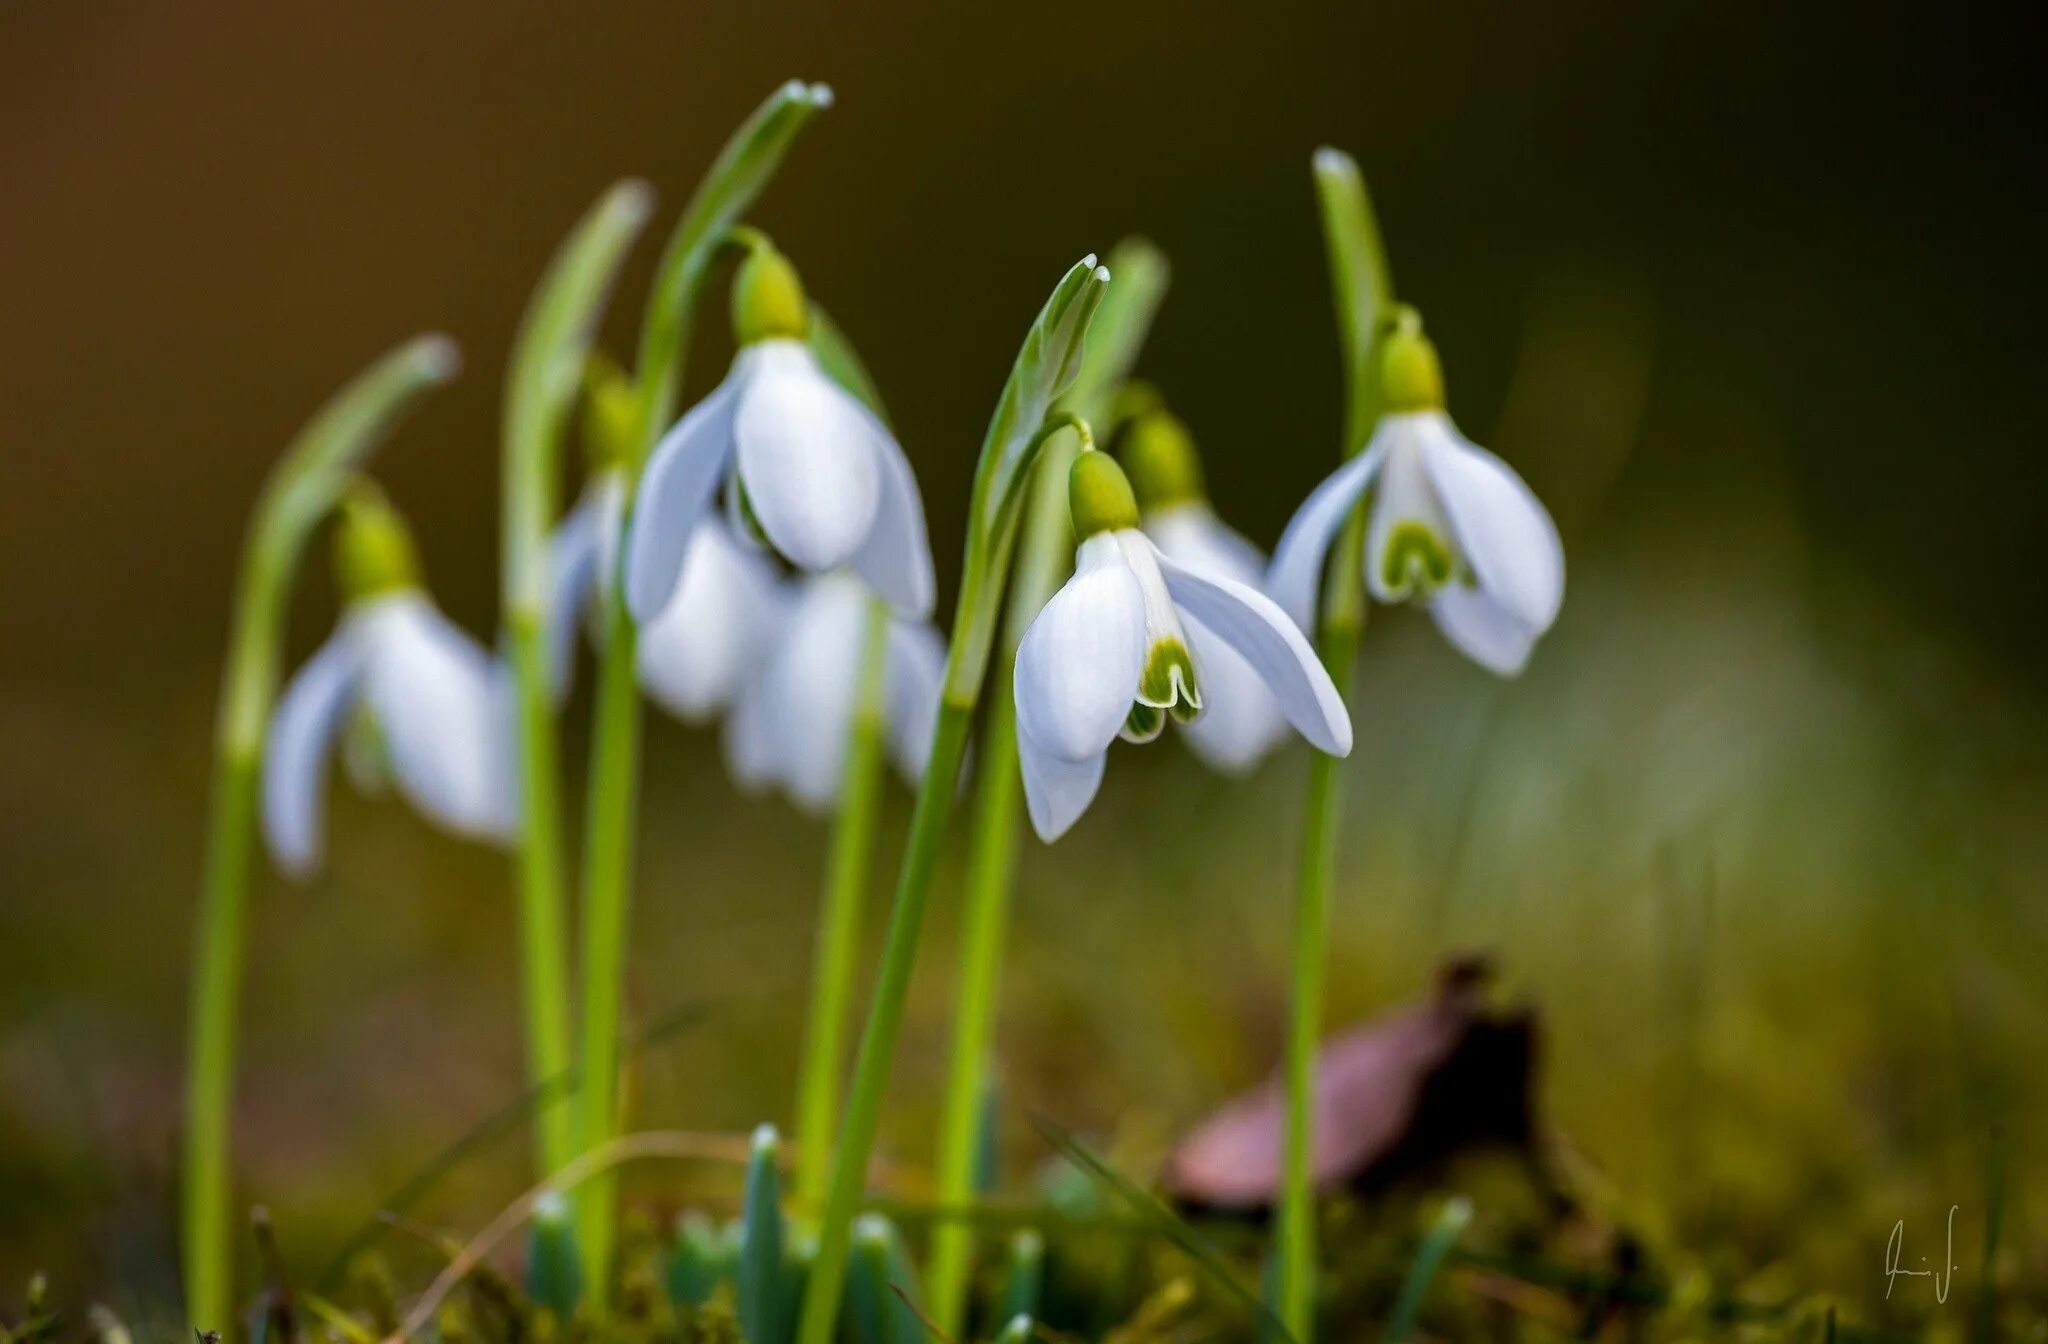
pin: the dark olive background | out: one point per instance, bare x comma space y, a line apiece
1820, 225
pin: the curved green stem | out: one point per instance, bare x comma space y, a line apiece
846, 884
1363, 291
546, 369
737, 177
301, 490
1115, 337
1045, 367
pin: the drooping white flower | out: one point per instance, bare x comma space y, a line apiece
1240, 720
696, 652
1449, 524
795, 715
1110, 654
800, 458
439, 705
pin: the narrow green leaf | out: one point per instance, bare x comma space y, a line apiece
1018, 1331
1360, 283
1443, 1233
700, 1260
881, 1288
1026, 1278
761, 1264
736, 178
546, 372
1149, 1207
552, 1277
1118, 332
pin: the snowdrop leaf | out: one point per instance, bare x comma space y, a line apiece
1120, 326
1359, 282
842, 363
548, 361
736, 178
760, 1266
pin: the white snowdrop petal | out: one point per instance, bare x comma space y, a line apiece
1192, 536
1295, 578
1251, 623
1504, 532
806, 458
814, 678
575, 553
916, 675
1240, 721
896, 558
1079, 663
717, 628
445, 709
682, 475
1057, 790
1483, 630
303, 729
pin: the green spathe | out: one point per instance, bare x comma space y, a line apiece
768, 302
1099, 495
373, 550
1160, 456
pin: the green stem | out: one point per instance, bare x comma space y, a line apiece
301, 490
742, 169
885, 1019
1363, 290
546, 368
607, 900
846, 884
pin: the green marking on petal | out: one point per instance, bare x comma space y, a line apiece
1415, 560
1143, 723
1169, 679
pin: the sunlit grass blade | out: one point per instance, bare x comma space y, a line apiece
1444, 1231
742, 170
546, 371
301, 490
1151, 1209
1043, 368
1113, 340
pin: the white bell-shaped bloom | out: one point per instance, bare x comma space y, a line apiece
440, 707
794, 717
1449, 525
800, 457
698, 650
1110, 655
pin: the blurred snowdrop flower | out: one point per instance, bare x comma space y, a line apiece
1110, 654
803, 462
1448, 525
1240, 720
696, 652
795, 715
438, 705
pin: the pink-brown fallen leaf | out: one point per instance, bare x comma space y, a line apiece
1393, 1096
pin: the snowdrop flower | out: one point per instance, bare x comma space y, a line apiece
1240, 720
695, 653
1115, 653
803, 463
1449, 524
794, 717
438, 704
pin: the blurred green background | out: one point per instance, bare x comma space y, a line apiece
1751, 294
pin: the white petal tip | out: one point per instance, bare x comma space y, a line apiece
633, 199
1088, 260
1102, 274
437, 356
1330, 159
821, 95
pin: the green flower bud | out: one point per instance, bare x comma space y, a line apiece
768, 299
1099, 496
1410, 375
611, 415
373, 552
1160, 456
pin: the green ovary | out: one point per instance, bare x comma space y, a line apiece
1416, 555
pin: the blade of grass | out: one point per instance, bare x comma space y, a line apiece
1443, 1233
